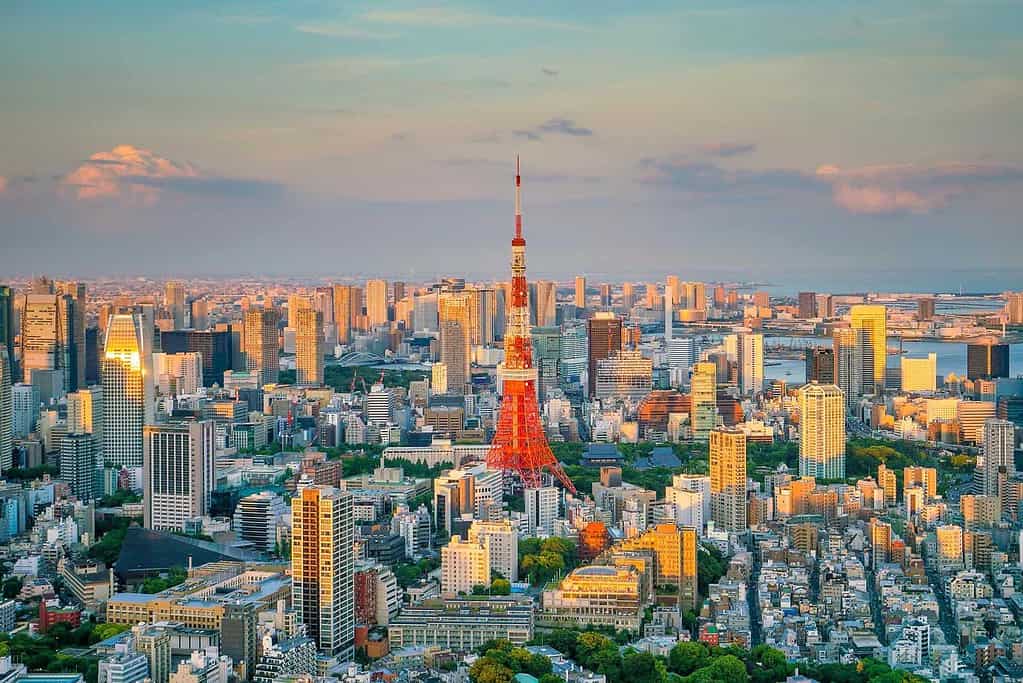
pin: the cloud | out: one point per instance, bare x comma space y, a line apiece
3, 184
452, 18
910, 188
556, 126
706, 178
485, 138
341, 30
728, 149
549, 72
476, 163
138, 176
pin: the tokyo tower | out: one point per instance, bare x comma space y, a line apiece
520, 445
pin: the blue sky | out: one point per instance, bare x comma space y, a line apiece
334, 137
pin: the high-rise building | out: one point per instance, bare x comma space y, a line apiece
323, 567
628, 296
998, 463
825, 306
847, 347
694, 296
24, 409
1014, 307
464, 564
376, 303
127, 399
309, 350
925, 309
580, 292
179, 474
624, 374
71, 304
455, 338
502, 540
750, 353
342, 300
604, 330
178, 374
6, 411
261, 350
256, 518
215, 348
987, 360
439, 378
703, 391
174, 302
85, 415
728, 478
950, 547
821, 431
675, 562
920, 374
820, 365
7, 328
872, 319
483, 316
547, 358
78, 464
541, 510
42, 345
546, 303
924, 477
682, 353
690, 494
198, 314
605, 295
807, 305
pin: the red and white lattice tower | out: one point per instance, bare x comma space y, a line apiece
520, 445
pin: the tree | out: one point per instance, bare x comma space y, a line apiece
485, 670
11, 587
608, 662
642, 667
500, 587
725, 668
563, 641
589, 643
767, 665
687, 657
107, 630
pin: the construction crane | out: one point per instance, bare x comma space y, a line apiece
357, 377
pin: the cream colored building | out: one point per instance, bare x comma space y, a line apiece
728, 479
821, 431
872, 319
920, 374
464, 564
502, 540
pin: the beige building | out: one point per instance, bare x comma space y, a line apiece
595, 595
821, 431
455, 334
376, 303
950, 547
261, 344
920, 374
309, 349
872, 319
464, 564
703, 392
728, 479
502, 540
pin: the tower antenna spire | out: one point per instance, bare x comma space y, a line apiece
518, 199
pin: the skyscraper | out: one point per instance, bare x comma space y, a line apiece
85, 415
605, 337
7, 328
873, 321
694, 296
998, 463
376, 303
728, 478
125, 394
455, 336
987, 360
174, 302
807, 305
703, 392
848, 348
261, 354
925, 309
919, 374
6, 411
323, 567
179, 473
580, 292
546, 303
605, 295
821, 431
78, 464
199, 317
215, 346
41, 343
343, 313
750, 355
309, 347
820, 365
628, 296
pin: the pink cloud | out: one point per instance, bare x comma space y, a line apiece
126, 172
912, 188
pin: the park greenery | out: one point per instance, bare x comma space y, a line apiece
541, 560
111, 532
410, 573
119, 498
155, 584
30, 473
688, 662
43, 653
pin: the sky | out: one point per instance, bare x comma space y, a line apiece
780, 141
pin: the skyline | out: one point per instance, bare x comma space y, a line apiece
741, 141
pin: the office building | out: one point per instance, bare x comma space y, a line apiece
703, 392
309, 349
6, 409
256, 518
1014, 307
872, 320
972, 416
690, 495
178, 374
547, 358
605, 295
807, 305
848, 348
750, 356
580, 293
545, 303
261, 346
127, 397
541, 506
464, 564
820, 365
920, 374
604, 331
607, 596
24, 409
574, 354
78, 465
925, 309
7, 331
821, 431
502, 540
675, 560
179, 479
624, 375
48, 342
628, 296
987, 360
439, 378
728, 479
343, 313
215, 348
174, 302
376, 303
455, 337
461, 624
693, 296
323, 567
